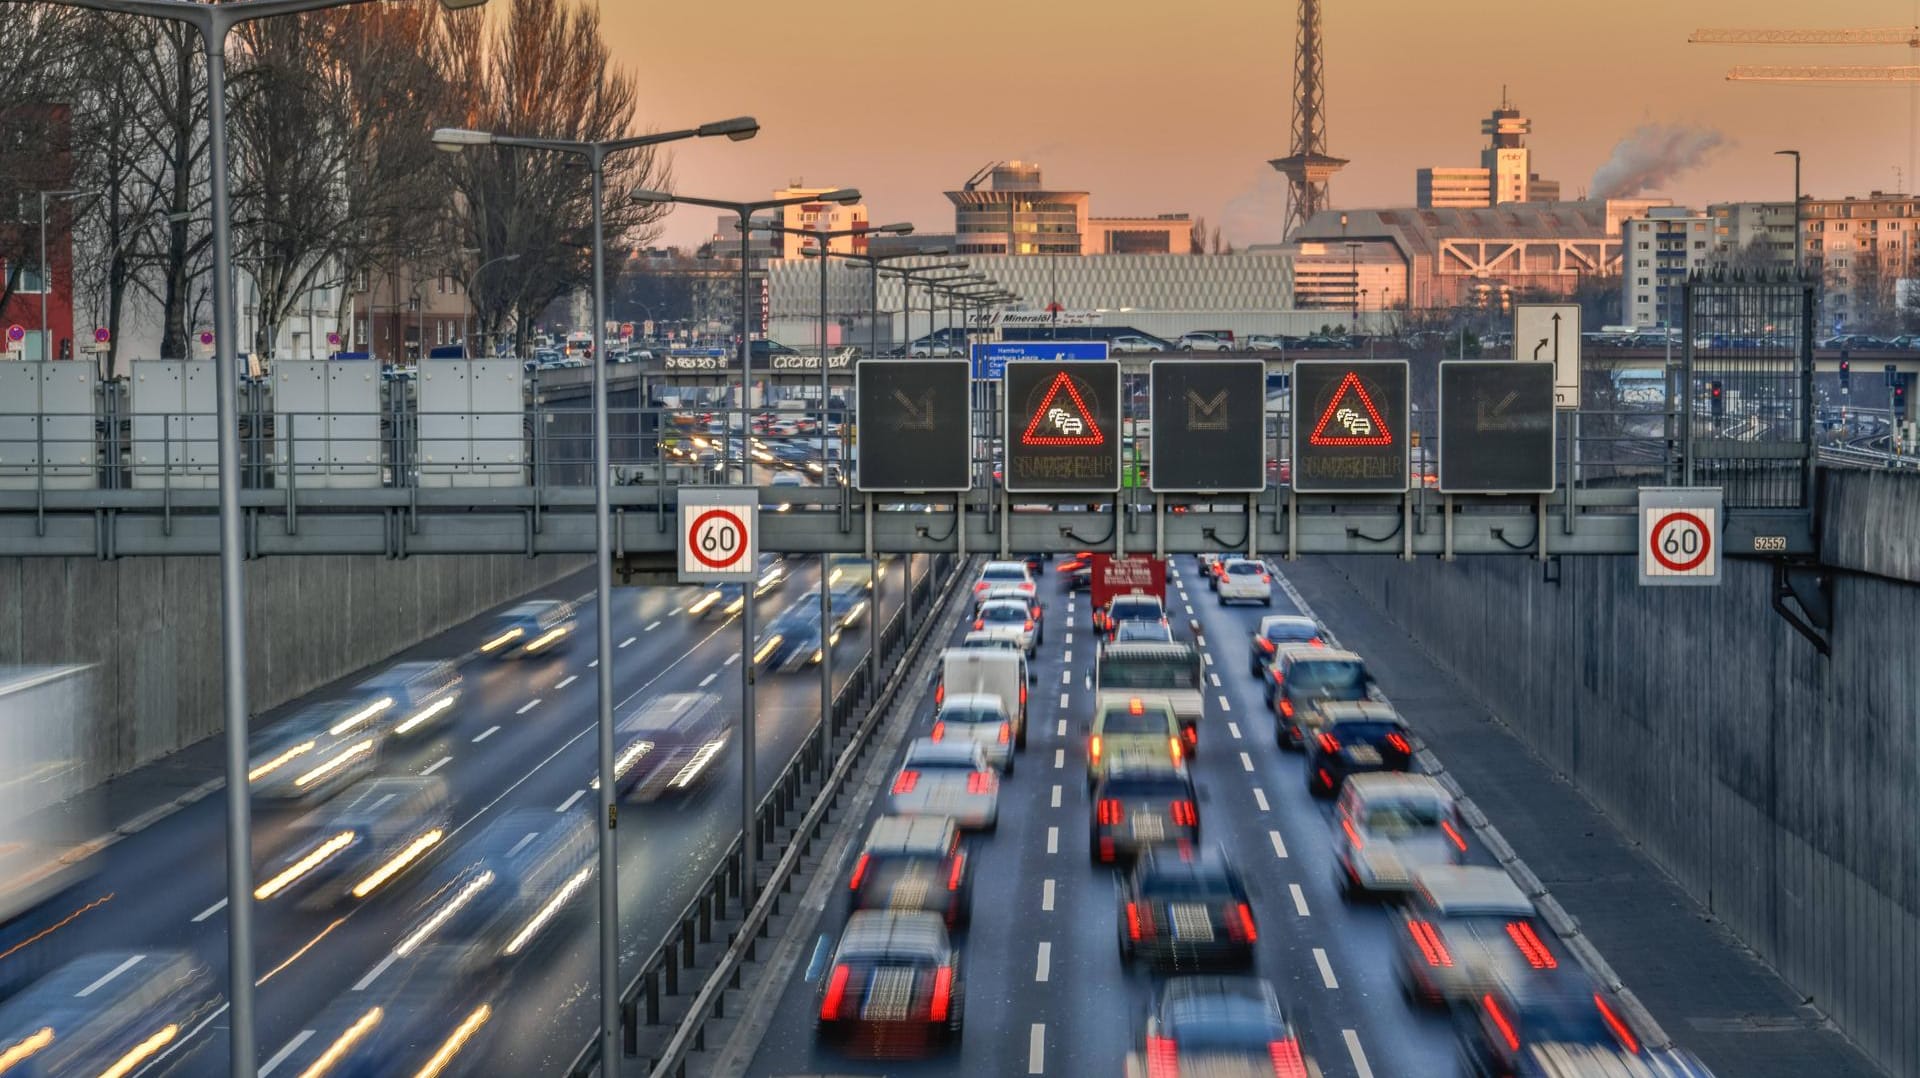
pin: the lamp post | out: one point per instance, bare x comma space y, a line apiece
454, 140
906, 275
1798, 245
846, 196
213, 23
466, 317
46, 271
1353, 274
873, 263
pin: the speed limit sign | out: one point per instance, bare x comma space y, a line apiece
719, 534
1680, 535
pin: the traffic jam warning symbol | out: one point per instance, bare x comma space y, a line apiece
1679, 535
1350, 426
718, 540
1067, 418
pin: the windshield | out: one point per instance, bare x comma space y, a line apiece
1005, 612
1245, 568
1364, 731
1285, 631
1124, 721
1403, 818
1136, 610
1169, 673
972, 713
1345, 678
1186, 887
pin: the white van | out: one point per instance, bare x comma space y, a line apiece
997, 672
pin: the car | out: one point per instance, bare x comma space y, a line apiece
1356, 737
106, 1013
894, 987
793, 641
947, 778
1277, 631
1186, 910
1266, 342
1009, 615
1468, 928
531, 628
1036, 563
1141, 726
1304, 676
1203, 342
666, 745
849, 604
1171, 673
1524, 1028
1130, 607
1013, 592
315, 753
1141, 802
1131, 344
1011, 573
1387, 826
993, 638
914, 864
358, 844
498, 898
412, 696
1142, 632
726, 599
1226, 1025
981, 718
1245, 581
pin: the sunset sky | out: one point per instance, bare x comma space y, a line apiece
1156, 107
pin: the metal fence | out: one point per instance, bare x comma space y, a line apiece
1746, 390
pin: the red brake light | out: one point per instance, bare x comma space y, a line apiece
1006, 732
1431, 946
1136, 706
1286, 705
1029, 625
1614, 1023
1245, 917
1265, 644
1500, 1022
1352, 835
939, 731
942, 994
1399, 742
939, 693
1183, 814
980, 782
906, 782
1329, 743
953, 874
1109, 811
1173, 747
1286, 1059
1133, 920
1023, 694
1531, 947
1093, 747
1454, 836
1265, 579
1316, 642
1163, 1058
1192, 734
836, 991
980, 585
979, 623
859, 873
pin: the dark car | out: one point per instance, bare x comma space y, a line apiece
1140, 804
1224, 1025
1186, 910
499, 898
1507, 1031
667, 745
1354, 738
914, 864
894, 988
1278, 631
793, 641
1142, 632
1305, 677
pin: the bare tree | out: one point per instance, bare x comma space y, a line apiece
1197, 236
38, 47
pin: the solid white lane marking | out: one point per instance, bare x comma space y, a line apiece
1053, 840
570, 679
485, 734
1215, 678
436, 765
651, 626
1046, 896
1059, 757
1056, 795
528, 706
708, 680
1066, 677
1299, 900
1359, 1054
1234, 729
1037, 1049
374, 973
1246, 762
280, 1057
1224, 706
1326, 968
1279, 844
569, 802
731, 659
628, 642
210, 911
1044, 963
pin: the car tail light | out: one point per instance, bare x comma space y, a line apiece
1316, 642
980, 586
1329, 743
906, 781
1287, 1062
1093, 748
1192, 734
1352, 835
1023, 694
1326, 779
1183, 814
942, 994
1240, 923
979, 623
1136, 706
939, 731
1028, 627
954, 873
1136, 924
1106, 849
939, 693
1531, 947
1265, 644
980, 782
1614, 1023
1399, 742
1173, 748
859, 873
836, 991
1265, 579
1454, 836
1286, 706
1500, 1022
1006, 732
1163, 1058
1109, 811
1432, 948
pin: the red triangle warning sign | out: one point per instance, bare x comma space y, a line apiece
1059, 421
1354, 419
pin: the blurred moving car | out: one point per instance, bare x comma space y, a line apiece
980, 718
408, 696
1388, 826
1131, 607
1012, 616
1142, 632
111, 1013
531, 628
1141, 803
1276, 632
1553, 1026
359, 844
1169, 672
729, 599
1218, 1025
793, 641
1356, 737
1003, 673
315, 753
1007, 573
947, 778
1125, 730
667, 745
1186, 910
894, 988
426, 1015
500, 894
1305, 676
914, 864
1467, 928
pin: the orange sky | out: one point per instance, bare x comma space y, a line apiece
1163, 107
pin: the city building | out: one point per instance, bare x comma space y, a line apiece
24, 283
1751, 236
396, 308
1659, 251
1352, 275
1166, 234
1015, 213
1861, 249
1505, 173
821, 216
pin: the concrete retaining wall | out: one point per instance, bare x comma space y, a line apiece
153, 625
1780, 788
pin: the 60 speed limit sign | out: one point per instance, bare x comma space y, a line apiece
1680, 535
719, 534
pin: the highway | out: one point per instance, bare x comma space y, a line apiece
519, 738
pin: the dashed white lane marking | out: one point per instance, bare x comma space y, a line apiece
651, 626
1053, 840
1279, 844
1066, 677
1224, 706
1189, 608
485, 734
1234, 729
570, 679
1299, 900
1260, 798
1063, 703
1208, 657
1059, 757
1043, 964
1067, 657
1046, 896
731, 659
708, 680
1215, 678
1037, 1049
1200, 641
1069, 638
1246, 762
628, 642
674, 611
1359, 1054
1326, 968
1056, 795
1060, 728
528, 706
569, 802
436, 765
210, 911
280, 1057
374, 973
593, 663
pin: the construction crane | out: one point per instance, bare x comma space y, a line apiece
1824, 73
1908, 36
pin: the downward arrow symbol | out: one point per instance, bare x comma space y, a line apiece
920, 418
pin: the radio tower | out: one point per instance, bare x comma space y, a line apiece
1307, 165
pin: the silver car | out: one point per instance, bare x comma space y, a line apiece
982, 719
1390, 825
1009, 615
947, 778
1245, 581
315, 753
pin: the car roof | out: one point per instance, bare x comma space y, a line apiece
1181, 992
1137, 597
1469, 890
1309, 653
536, 606
1003, 566
983, 701
1146, 649
677, 711
1148, 632
1148, 702
893, 933
1007, 604
925, 750
1395, 785
1001, 638
1335, 711
932, 834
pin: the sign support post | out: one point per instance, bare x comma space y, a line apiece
720, 542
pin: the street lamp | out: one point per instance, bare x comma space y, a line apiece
1353, 273
906, 277
46, 271
214, 22
846, 196
466, 317
1798, 246
874, 263
454, 140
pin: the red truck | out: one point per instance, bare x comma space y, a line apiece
1133, 574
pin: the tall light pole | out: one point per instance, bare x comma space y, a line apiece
466, 317
455, 140
845, 196
926, 275
1798, 245
46, 271
1353, 272
873, 263
214, 22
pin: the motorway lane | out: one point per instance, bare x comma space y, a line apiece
1045, 991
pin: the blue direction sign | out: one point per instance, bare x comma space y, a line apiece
990, 360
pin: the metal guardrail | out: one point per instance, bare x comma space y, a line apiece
659, 975
1851, 457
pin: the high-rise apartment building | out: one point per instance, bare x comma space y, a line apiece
1505, 173
1658, 252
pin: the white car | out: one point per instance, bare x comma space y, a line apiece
977, 717
1388, 826
947, 778
1245, 581
1127, 345
996, 573
1203, 342
1010, 616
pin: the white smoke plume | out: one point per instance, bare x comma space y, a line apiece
1653, 155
